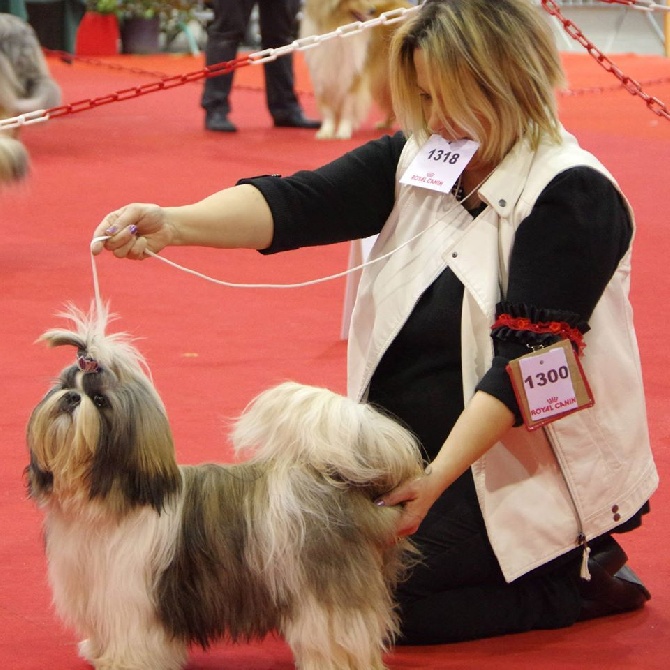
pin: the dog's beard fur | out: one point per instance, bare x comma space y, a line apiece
146, 558
348, 74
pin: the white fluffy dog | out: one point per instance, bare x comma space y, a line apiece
147, 557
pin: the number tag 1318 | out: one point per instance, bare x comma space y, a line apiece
438, 164
549, 383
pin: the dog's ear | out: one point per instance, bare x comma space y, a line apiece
58, 337
39, 482
134, 462
85, 327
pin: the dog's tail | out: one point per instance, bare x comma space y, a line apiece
351, 444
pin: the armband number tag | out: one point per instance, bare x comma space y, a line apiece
549, 384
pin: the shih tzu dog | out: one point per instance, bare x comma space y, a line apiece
147, 558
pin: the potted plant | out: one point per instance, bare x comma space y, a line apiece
98, 33
143, 20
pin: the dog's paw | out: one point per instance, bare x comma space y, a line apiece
88, 651
327, 130
344, 130
343, 134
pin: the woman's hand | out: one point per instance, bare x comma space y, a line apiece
417, 497
482, 423
134, 229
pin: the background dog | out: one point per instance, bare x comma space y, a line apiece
146, 557
25, 86
13, 155
13, 159
349, 73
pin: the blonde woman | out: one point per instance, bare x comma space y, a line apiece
530, 248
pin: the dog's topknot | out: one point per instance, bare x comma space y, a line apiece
96, 348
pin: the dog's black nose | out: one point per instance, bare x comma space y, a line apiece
70, 401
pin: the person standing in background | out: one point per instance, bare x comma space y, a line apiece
277, 23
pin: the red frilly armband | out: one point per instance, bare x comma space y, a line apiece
560, 329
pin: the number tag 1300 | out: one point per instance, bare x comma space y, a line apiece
549, 383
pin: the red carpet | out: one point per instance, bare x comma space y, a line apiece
212, 348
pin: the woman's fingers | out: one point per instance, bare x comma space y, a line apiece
111, 233
134, 248
416, 497
409, 522
405, 495
400, 494
123, 231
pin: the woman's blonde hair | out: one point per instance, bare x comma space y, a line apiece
493, 68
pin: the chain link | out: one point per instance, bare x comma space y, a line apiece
641, 5
633, 87
614, 87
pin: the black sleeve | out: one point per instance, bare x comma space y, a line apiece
564, 254
347, 199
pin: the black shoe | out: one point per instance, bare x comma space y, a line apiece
296, 120
626, 574
608, 554
607, 594
218, 121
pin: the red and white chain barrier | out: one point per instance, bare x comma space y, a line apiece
631, 85
167, 82
642, 5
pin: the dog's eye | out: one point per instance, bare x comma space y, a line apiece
100, 400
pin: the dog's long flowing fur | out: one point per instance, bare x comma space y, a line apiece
147, 557
25, 86
349, 73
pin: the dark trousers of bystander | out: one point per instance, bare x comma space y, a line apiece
277, 27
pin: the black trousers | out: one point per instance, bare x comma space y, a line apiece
277, 24
457, 592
